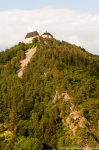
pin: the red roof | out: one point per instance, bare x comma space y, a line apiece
31, 34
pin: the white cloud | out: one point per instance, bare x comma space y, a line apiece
96, 42
74, 40
71, 26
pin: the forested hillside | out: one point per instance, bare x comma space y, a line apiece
55, 105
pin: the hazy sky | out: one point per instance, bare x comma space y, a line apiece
73, 21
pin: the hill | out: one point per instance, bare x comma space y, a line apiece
55, 105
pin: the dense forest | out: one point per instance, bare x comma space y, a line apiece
55, 105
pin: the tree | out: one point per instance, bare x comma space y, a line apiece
28, 144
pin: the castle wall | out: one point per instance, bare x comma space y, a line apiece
47, 36
29, 40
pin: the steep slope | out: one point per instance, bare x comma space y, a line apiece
63, 67
55, 104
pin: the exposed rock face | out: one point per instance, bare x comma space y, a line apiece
63, 96
87, 148
24, 62
75, 121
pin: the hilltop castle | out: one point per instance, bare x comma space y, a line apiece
29, 37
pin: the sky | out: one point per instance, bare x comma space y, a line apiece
74, 21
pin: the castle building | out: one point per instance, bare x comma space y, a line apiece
29, 37
47, 35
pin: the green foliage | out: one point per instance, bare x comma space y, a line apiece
35, 41
28, 144
28, 107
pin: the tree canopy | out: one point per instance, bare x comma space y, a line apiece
34, 109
